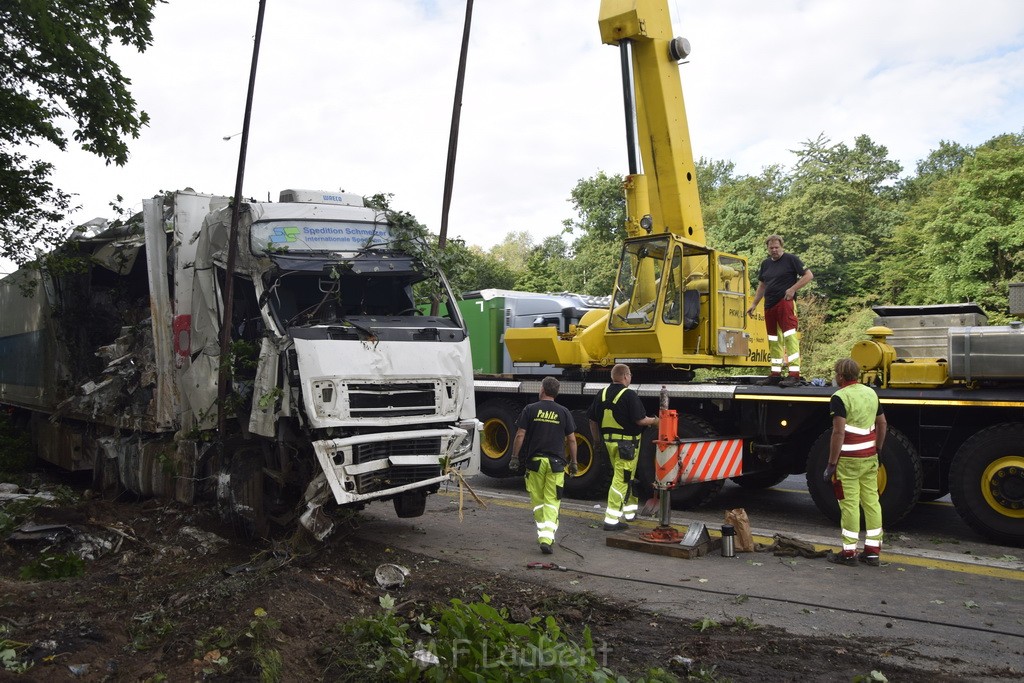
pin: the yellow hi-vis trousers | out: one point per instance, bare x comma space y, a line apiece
545, 488
859, 480
622, 504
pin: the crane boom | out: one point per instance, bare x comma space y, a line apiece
642, 29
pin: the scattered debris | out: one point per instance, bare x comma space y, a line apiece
391, 575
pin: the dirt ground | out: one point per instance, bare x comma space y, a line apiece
171, 593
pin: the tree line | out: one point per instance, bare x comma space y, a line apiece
951, 231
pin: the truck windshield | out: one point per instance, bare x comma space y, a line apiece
374, 291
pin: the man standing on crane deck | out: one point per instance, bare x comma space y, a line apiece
780, 277
858, 433
547, 430
618, 418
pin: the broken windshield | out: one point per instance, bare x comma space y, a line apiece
370, 291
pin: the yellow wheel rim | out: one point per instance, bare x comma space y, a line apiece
1002, 485
584, 454
495, 439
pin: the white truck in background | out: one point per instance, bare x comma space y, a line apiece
342, 390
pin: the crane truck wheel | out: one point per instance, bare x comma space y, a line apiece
685, 497
900, 475
595, 471
986, 482
499, 420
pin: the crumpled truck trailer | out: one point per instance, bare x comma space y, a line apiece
346, 386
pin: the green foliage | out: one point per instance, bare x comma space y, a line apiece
600, 204
57, 70
471, 642
10, 655
13, 513
705, 624
52, 567
257, 638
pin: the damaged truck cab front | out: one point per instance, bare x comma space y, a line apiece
358, 382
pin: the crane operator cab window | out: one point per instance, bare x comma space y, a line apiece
636, 290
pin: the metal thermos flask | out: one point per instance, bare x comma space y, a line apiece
728, 541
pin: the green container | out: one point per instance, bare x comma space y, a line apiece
485, 322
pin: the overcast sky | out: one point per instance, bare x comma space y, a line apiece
358, 96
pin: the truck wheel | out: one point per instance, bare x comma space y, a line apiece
595, 470
499, 418
986, 482
410, 504
685, 497
760, 480
900, 476
246, 501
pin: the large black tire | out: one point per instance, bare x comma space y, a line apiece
410, 504
499, 418
986, 482
246, 495
686, 497
595, 469
761, 480
900, 475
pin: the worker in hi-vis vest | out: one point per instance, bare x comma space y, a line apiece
617, 417
547, 431
858, 433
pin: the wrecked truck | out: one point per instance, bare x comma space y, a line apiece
350, 375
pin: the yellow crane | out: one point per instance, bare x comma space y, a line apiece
676, 301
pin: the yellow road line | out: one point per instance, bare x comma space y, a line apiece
889, 557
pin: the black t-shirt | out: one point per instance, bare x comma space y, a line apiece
626, 411
547, 424
778, 276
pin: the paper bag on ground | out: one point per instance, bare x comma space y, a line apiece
744, 539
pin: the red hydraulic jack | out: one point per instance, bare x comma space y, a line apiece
678, 462
666, 467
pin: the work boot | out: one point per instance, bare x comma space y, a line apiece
869, 557
546, 548
845, 557
618, 526
770, 380
791, 381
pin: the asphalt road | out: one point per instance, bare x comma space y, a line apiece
943, 597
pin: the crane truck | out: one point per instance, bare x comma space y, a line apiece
955, 406
342, 390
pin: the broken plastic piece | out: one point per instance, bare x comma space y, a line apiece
391, 575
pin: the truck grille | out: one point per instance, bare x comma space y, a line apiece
367, 452
395, 476
405, 399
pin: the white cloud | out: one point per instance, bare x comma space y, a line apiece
359, 95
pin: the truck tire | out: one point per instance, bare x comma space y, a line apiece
986, 482
595, 469
410, 504
900, 475
685, 497
246, 509
499, 419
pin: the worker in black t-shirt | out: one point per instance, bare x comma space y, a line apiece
546, 430
617, 417
779, 279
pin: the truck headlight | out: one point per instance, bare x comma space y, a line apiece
465, 444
